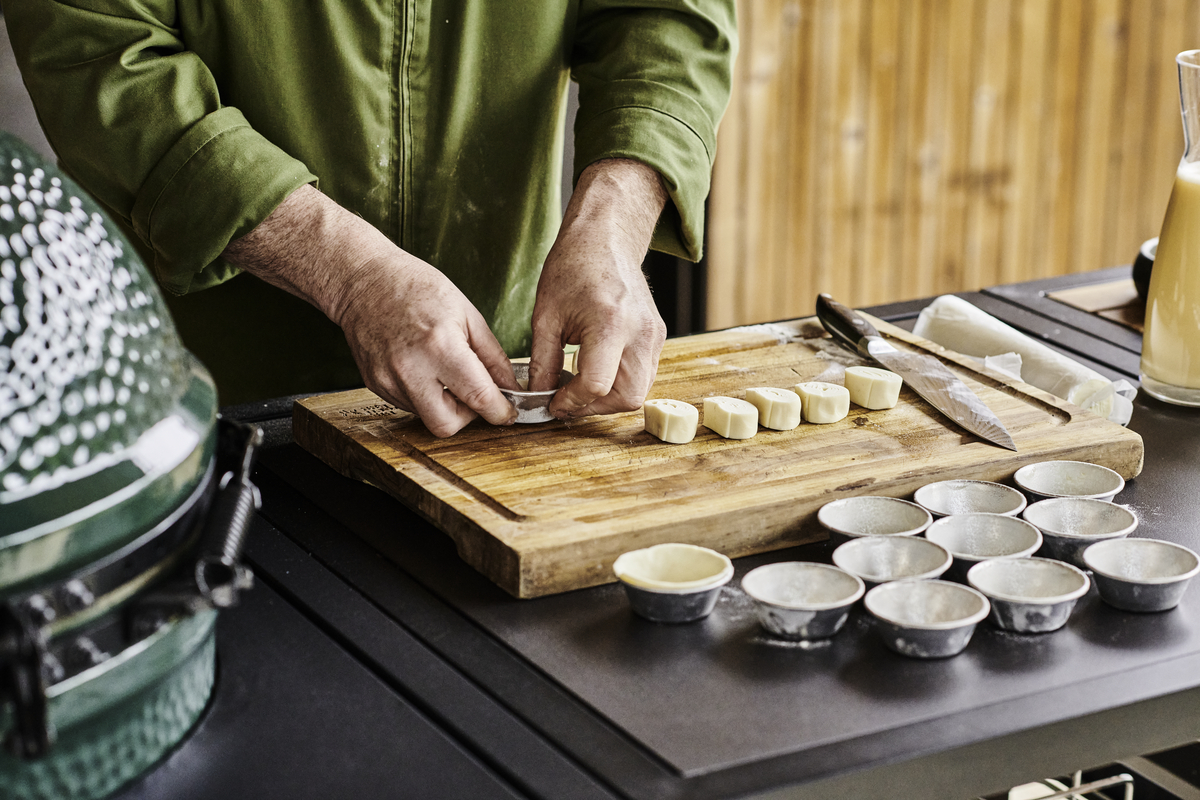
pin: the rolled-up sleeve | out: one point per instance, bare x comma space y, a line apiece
137, 119
654, 80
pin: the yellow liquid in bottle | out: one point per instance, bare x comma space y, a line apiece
1171, 342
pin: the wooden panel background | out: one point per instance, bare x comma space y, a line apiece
884, 150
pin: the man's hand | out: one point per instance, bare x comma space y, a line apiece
592, 293
418, 341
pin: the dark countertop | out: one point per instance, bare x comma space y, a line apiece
372, 661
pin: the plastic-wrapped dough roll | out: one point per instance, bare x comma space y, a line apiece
957, 325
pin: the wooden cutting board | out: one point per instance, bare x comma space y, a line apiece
546, 508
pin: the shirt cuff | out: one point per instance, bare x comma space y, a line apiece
664, 129
215, 184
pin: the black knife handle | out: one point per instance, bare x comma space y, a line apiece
844, 324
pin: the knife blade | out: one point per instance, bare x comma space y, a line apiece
924, 374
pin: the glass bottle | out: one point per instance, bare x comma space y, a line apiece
1170, 368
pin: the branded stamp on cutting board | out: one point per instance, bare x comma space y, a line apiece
541, 509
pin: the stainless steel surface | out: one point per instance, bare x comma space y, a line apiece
802, 600
1141, 574
673, 582
1029, 595
972, 538
1070, 524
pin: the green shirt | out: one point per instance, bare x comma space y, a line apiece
441, 123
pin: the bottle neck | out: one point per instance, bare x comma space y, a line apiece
1189, 103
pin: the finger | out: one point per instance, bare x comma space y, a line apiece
633, 383
599, 362
489, 352
441, 412
465, 376
546, 356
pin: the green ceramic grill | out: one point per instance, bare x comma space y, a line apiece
124, 499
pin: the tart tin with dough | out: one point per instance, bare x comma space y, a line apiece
673, 582
533, 406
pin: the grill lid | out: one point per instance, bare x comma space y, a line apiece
106, 422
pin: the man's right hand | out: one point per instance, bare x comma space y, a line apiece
419, 342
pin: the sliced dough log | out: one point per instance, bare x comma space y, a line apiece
778, 409
673, 421
730, 417
823, 402
874, 388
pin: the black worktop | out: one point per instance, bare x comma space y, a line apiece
372, 661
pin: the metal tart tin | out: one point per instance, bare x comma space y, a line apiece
1141, 574
945, 498
972, 538
852, 517
1068, 479
879, 559
1070, 524
802, 600
1029, 595
926, 619
533, 406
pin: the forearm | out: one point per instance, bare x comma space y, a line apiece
315, 249
620, 198
417, 340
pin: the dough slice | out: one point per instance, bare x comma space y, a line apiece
778, 409
730, 417
823, 402
673, 421
872, 387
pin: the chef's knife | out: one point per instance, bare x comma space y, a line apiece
925, 375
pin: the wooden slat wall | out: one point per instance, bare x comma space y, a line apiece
885, 150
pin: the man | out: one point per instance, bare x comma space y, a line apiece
395, 165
